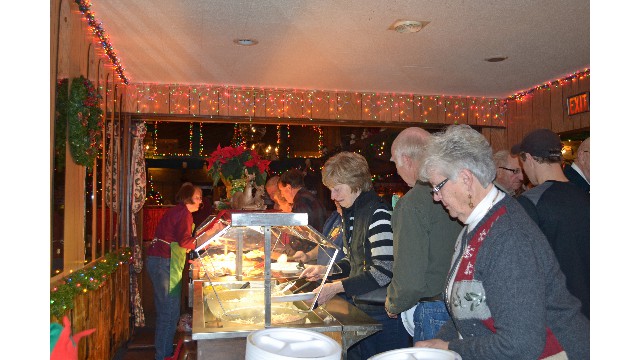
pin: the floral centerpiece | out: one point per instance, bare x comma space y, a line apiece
229, 164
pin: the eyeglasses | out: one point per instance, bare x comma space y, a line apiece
436, 189
514, 171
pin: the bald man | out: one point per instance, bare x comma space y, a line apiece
579, 172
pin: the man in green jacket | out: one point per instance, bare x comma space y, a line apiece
423, 241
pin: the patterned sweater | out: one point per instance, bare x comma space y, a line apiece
514, 295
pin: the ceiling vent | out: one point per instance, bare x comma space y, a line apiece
496, 59
245, 42
408, 26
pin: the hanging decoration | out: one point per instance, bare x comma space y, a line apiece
84, 121
98, 31
62, 295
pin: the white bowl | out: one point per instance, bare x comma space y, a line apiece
417, 353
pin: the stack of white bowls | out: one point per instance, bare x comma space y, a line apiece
289, 343
417, 354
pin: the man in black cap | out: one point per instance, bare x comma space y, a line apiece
560, 208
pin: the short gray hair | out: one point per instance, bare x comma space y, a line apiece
411, 143
500, 157
459, 147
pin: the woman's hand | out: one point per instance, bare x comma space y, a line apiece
329, 290
314, 272
301, 256
433, 343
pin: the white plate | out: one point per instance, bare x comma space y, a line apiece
407, 319
417, 354
293, 297
286, 268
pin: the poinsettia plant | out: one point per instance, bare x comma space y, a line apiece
230, 162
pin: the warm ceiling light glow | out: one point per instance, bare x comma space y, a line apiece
408, 26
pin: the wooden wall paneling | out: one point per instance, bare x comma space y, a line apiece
224, 100
509, 115
418, 109
294, 104
584, 86
241, 102
497, 138
260, 103
459, 110
519, 126
274, 106
370, 106
439, 109
483, 112
429, 113
208, 96
348, 105
526, 111
539, 115
131, 98
498, 110
556, 108
307, 109
404, 108
194, 100
179, 99
65, 34
321, 102
443, 110
160, 101
473, 111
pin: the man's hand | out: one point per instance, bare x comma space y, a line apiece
433, 343
391, 315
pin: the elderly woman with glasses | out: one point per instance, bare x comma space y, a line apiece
505, 292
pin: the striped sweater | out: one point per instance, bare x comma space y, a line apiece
368, 244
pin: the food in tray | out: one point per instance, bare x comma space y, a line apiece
254, 254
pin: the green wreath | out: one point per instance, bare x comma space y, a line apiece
83, 126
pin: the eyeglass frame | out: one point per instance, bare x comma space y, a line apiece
436, 189
513, 171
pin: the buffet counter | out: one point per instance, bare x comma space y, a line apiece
224, 337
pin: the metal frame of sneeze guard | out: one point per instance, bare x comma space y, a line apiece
268, 224
267, 220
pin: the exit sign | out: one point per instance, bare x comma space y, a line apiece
578, 103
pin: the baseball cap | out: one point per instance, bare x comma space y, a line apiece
542, 143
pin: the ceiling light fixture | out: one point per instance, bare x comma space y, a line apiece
408, 26
245, 42
496, 59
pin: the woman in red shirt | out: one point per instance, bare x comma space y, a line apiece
165, 262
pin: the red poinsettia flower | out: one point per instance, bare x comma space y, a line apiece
230, 162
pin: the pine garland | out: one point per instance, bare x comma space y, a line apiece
60, 141
63, 295
81, 110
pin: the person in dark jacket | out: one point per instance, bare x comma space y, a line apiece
291, 186
560, 208
579, 173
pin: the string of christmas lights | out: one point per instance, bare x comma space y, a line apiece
547, 86
225, 100
98, 31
